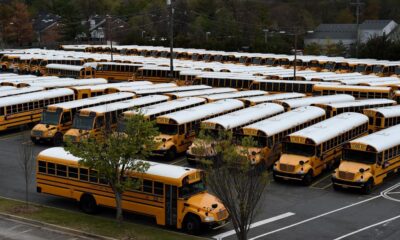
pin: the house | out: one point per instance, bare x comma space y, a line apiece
101, 26
346, 34
47, 28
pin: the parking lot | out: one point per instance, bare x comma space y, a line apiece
287, 211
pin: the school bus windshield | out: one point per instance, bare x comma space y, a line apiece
299, 149
83, 122
192, 189
359, 156
51, 118
168, 129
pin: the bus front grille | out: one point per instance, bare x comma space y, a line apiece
346, 175
287, 167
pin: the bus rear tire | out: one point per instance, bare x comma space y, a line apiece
192, 224
88, 204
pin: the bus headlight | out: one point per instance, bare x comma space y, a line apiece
209, 219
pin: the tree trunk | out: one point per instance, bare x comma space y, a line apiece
118, 204
26, 190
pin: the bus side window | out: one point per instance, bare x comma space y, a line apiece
42, 167
99, 122
83, 174
147, 186
61, 170
158, 188
51, 168
93, 176
72, 172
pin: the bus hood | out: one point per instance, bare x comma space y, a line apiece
353, 167
43, 127
205, 202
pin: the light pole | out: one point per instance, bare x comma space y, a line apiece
266, 31
171, 37
110, 36
207, 34
143, 32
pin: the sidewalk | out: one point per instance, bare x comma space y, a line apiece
11, 229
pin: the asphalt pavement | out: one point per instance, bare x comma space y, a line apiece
287, 211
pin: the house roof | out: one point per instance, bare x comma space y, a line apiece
374, 24
334, 31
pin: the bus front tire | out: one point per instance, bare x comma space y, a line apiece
171, 154
307, 180
58, 139
192, 224
367, 188
336, 187
88, 204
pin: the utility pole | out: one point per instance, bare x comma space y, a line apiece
109, 33
295, 54
171, 38
358, 5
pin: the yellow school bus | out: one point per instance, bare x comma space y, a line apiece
175, 196
368, 160
178, 129
382, 117
356, 91
39, 67
116, 72
251, 101
333, 109
310, 151
91, 122
64, 70
156, 74
25, 109
268, 134
8, 61
232, 122
57, 118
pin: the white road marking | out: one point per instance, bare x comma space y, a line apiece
256, 224
367, 227
388, 191
316, 217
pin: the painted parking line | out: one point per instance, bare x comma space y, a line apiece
178, 162
314, 185
256, 224
316, 217
10, 136
367, 227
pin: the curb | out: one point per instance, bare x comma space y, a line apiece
53, 228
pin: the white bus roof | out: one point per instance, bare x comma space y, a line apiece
239, 94
157, 169
167, 106
272, 97
204, 92
93, 100
69, 83
137, 102
65, 67
381, 140
387, 112
357, 103
301, 102
112, 85
18, 91
352, 87
171, 89
204, 111
332, 127
6, 88
287, 120
36, 96
129, 88
244, 116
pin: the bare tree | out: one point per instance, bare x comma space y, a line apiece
232, 177
26, 162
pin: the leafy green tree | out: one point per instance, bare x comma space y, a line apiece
232, 178
115, 156
313, 49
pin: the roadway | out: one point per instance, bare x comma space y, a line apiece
287, 211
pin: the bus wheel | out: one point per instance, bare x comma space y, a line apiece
307, 180
34, 141
367, 187
336, 187
192, 224
171, 154
88, 204
58, 139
